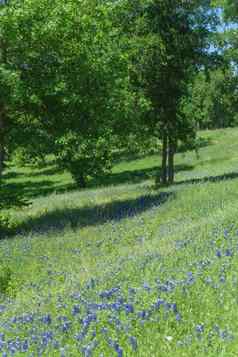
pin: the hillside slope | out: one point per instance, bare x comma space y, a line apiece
125, 269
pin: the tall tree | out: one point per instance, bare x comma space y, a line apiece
212, 99
172, 42
4, 93
74, 79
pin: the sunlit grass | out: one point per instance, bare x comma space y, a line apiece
176, 244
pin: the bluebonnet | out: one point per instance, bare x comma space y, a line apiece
200, 328
228, 253
47, 319
133, 342
75, 310
218, 254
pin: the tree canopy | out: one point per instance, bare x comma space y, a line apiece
84, 80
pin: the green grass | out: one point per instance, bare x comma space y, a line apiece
123, 234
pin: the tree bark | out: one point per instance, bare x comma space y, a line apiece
171, 153
80, 180
3, 59
2, 147
164, 170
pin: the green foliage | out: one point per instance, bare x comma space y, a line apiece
84, 158
193, 144
79, 88
4, 223
5, 278
170, 41
81, 72
212, 102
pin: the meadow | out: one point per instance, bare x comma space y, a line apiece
124, 268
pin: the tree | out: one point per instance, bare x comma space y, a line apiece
172, 42
212, 99
74, 80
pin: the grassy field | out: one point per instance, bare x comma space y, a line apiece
125, 269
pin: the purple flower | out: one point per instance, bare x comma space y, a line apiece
75, 310
200, 328
47, 319
159, 303
118, 349
178, 317
107, 294
218, 254
25, 346
129, 308
143, 314
2, 308
228, 253
66, 326
146, 286
133, 342
222, 279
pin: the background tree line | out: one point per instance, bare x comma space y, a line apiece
83, 81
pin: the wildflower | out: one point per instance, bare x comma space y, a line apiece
178, 317
75, 310
143, 314
228, 253
218, 254
222, 279
173, 307
146, 286
129, 308
2, 308
66, 326
108, 293
104, 330
25, 346
118, 349
133, 342
47, 319
159, 303
200, 328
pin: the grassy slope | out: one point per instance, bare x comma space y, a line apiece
127, 235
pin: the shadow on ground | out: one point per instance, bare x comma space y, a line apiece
74, 218
46, 171
133, 176
30, 189
224, 177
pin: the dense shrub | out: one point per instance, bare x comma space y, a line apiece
5, 278
84, 158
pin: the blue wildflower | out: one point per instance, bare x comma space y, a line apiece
218, 254
75, 310
25, 346
200, 328
129, 308
47, 319
133, 342
228, 253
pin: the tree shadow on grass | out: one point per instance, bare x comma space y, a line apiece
46, 171
133, 176
32, 189
12, 175
74, 218
218, 178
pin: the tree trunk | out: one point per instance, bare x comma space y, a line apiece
2, 148
80, 181
3, 58
164, 159
171, 161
